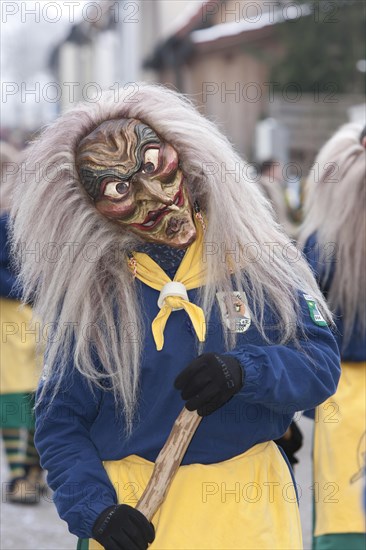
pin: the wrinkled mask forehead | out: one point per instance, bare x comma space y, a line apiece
115, 148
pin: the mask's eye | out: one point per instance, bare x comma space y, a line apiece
151, 161
116, 189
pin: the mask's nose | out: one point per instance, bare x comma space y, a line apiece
150, 189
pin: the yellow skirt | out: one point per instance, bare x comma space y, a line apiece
19, 371
339, 455
247, 502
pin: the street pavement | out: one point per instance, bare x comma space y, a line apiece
39, 527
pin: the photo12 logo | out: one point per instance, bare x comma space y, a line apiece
72, 11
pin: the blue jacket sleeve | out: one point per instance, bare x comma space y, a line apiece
289, 378
82, 489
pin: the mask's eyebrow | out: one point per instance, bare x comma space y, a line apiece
92, 179
145, 135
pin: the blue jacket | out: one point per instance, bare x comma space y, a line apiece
7, 277
81, 429
355, 349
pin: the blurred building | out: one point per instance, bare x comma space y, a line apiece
204, 49
88, 58
110, 51
222, 55
219, 52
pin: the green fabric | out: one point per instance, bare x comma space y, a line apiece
17, 410
340, 541
83, 544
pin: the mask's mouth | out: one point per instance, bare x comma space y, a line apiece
154, 217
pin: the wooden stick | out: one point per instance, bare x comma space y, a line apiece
168, 462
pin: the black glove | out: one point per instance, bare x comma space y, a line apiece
291, 442
121, 527
209, 381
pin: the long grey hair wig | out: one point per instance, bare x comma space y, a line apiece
335, 209
72, 260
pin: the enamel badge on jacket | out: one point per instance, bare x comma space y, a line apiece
234, 310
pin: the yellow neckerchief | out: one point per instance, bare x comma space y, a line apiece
191, 273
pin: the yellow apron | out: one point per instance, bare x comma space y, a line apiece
247, 502
18, 370
339, 455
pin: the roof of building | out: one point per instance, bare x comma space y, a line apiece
236, 28
191, 30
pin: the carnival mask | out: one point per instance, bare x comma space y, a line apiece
134, 179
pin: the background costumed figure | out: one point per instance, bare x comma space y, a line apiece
333, 236
141, 206
19, 369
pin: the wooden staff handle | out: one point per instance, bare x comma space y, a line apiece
168, 462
